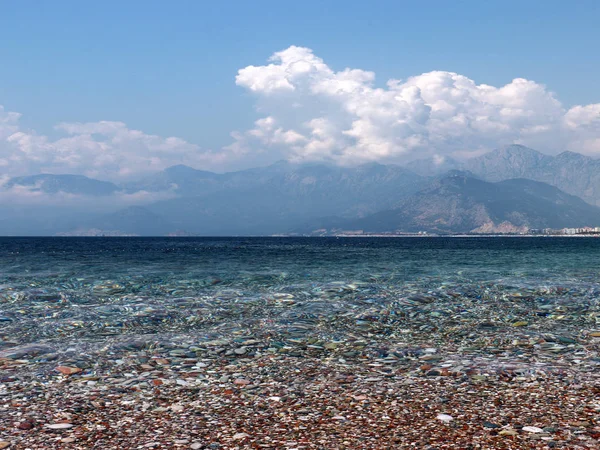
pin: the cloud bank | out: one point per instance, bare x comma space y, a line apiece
311, 112
33, 196
105, 150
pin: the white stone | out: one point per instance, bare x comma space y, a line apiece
445, 418
533, 429
59, 426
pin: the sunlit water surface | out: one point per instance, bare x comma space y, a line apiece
60, 294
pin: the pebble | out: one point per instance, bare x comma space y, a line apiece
582, 423
26, 425
4, 444
59, 426
65, 370
446, 418
533, 429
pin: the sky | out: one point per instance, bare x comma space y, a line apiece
115, 90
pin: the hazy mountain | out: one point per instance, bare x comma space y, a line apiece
462, 203
263, 200
70, 184
284, 196
571, 172
513, 161
320, 181
576, 174
184, 180
277, 198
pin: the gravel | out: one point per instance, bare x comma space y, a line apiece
285, 402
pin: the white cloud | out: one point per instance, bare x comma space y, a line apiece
308, 111
343, 117
106, 150
32, 195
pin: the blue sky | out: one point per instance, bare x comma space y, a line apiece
169, 68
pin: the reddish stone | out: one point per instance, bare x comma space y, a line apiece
27, 425
68, 370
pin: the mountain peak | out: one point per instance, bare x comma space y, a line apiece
182, 169
516, 151
569, 155
518, 148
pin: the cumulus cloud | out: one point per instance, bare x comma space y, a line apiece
311, 112
107, 150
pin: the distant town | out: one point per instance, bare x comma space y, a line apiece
583, 231
568, 231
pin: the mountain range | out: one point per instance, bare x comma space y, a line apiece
571, 172
458, 202
507, 190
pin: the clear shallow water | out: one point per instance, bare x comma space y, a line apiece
104, 294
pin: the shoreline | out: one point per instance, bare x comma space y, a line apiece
315, 236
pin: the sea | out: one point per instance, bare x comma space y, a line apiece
90, 299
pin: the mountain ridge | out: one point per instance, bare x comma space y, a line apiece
571, 172
284, 196
459, 203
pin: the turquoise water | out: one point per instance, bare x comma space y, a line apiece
99, 295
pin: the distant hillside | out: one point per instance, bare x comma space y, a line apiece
286, 197
276, 199
461, 203
571, 172
184, 180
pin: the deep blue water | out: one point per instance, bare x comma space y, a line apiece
318, 259
62, 292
